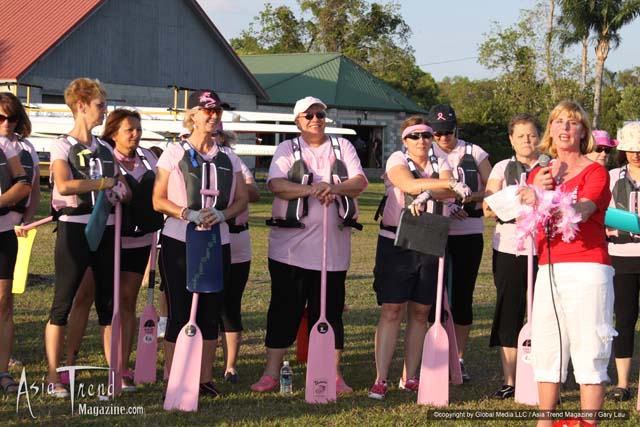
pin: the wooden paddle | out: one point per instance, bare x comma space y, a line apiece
434, 370
526, 388
183, 388
21, 270
115, 357
147, 350
321, 360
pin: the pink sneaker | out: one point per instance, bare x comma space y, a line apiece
265, 383
379, 390
342, 387
411, 384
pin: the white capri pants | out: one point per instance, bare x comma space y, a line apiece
583, 294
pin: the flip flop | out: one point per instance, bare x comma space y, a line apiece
10, 383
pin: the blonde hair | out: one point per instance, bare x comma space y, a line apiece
84, 90
574, 111
411, 121
187, 122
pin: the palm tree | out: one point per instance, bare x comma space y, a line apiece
608, 17
575, 26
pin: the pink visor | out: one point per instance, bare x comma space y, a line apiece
415, 129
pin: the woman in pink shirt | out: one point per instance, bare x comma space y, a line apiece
170, 197
15, 187
295, 241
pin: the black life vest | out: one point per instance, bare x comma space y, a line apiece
27, 164
409, 198
296, 209
197, 176
81, 162
621, 190
6, 181
512, 175
138, 216
468, 173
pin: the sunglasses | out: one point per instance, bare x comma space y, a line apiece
439, 134
211, 111
11, 119
416, 136
600, 149
319, 115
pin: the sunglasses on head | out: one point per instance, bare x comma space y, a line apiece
418, 135
211, 111
600, 149
439, 134
11, 119
320, 115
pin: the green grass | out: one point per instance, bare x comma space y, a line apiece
241, 407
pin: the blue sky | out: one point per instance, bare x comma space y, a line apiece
446, 34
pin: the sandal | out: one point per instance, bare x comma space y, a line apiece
57, 390
9, 386
620, 394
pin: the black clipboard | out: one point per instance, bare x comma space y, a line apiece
426, 233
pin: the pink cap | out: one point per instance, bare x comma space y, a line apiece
601, 137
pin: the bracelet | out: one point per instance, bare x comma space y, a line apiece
182, 211
101, 184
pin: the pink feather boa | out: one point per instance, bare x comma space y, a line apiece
555, 207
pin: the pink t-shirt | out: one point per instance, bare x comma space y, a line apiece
139, 169
467, 225
11, 219
241, 242
302, 247
177, 193
395, 196
60, 151
504, 237
620, 249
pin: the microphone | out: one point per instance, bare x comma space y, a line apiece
544, 160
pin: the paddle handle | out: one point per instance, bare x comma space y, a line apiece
36, 223
116, 258
439, 290
152, 267
530, 278
194, 308
323, 273
633, 202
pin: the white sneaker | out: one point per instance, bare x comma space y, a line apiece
162, 327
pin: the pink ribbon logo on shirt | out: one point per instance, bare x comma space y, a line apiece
207, 100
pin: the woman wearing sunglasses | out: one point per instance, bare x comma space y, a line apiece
510, 267
624, 249
603, 147
18, 202
184, 169
302, 179
406, 280
470, 164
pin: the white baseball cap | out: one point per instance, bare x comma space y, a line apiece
629, 137
304, 104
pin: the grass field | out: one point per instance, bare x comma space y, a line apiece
241, 407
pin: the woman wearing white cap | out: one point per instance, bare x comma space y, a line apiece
624, 249
603, 146
302, 178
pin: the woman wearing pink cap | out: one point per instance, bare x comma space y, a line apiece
624, 249
307, 174
603, 146
406, 280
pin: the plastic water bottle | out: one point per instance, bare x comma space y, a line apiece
286, 379
93, 170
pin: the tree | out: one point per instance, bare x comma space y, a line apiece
575, 27
629, 106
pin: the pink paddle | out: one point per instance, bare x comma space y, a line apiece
183, 388
454, 360
526, 387
115, 357
147, 352
37, 223
434, 370
321, 359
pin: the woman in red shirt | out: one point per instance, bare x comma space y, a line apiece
573, 301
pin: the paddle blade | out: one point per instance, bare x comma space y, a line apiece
21, 271
183, 388
434, 371
204, 260
526, 387
147, 352
321, 364
98, 221
115, 357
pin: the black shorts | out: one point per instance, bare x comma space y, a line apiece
291, 289
464, 254
402, 275
8, 254
231, 320
134, 260
510, 278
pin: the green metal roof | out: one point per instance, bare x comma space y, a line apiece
332, 77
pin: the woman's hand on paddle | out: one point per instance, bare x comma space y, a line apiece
21, 232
